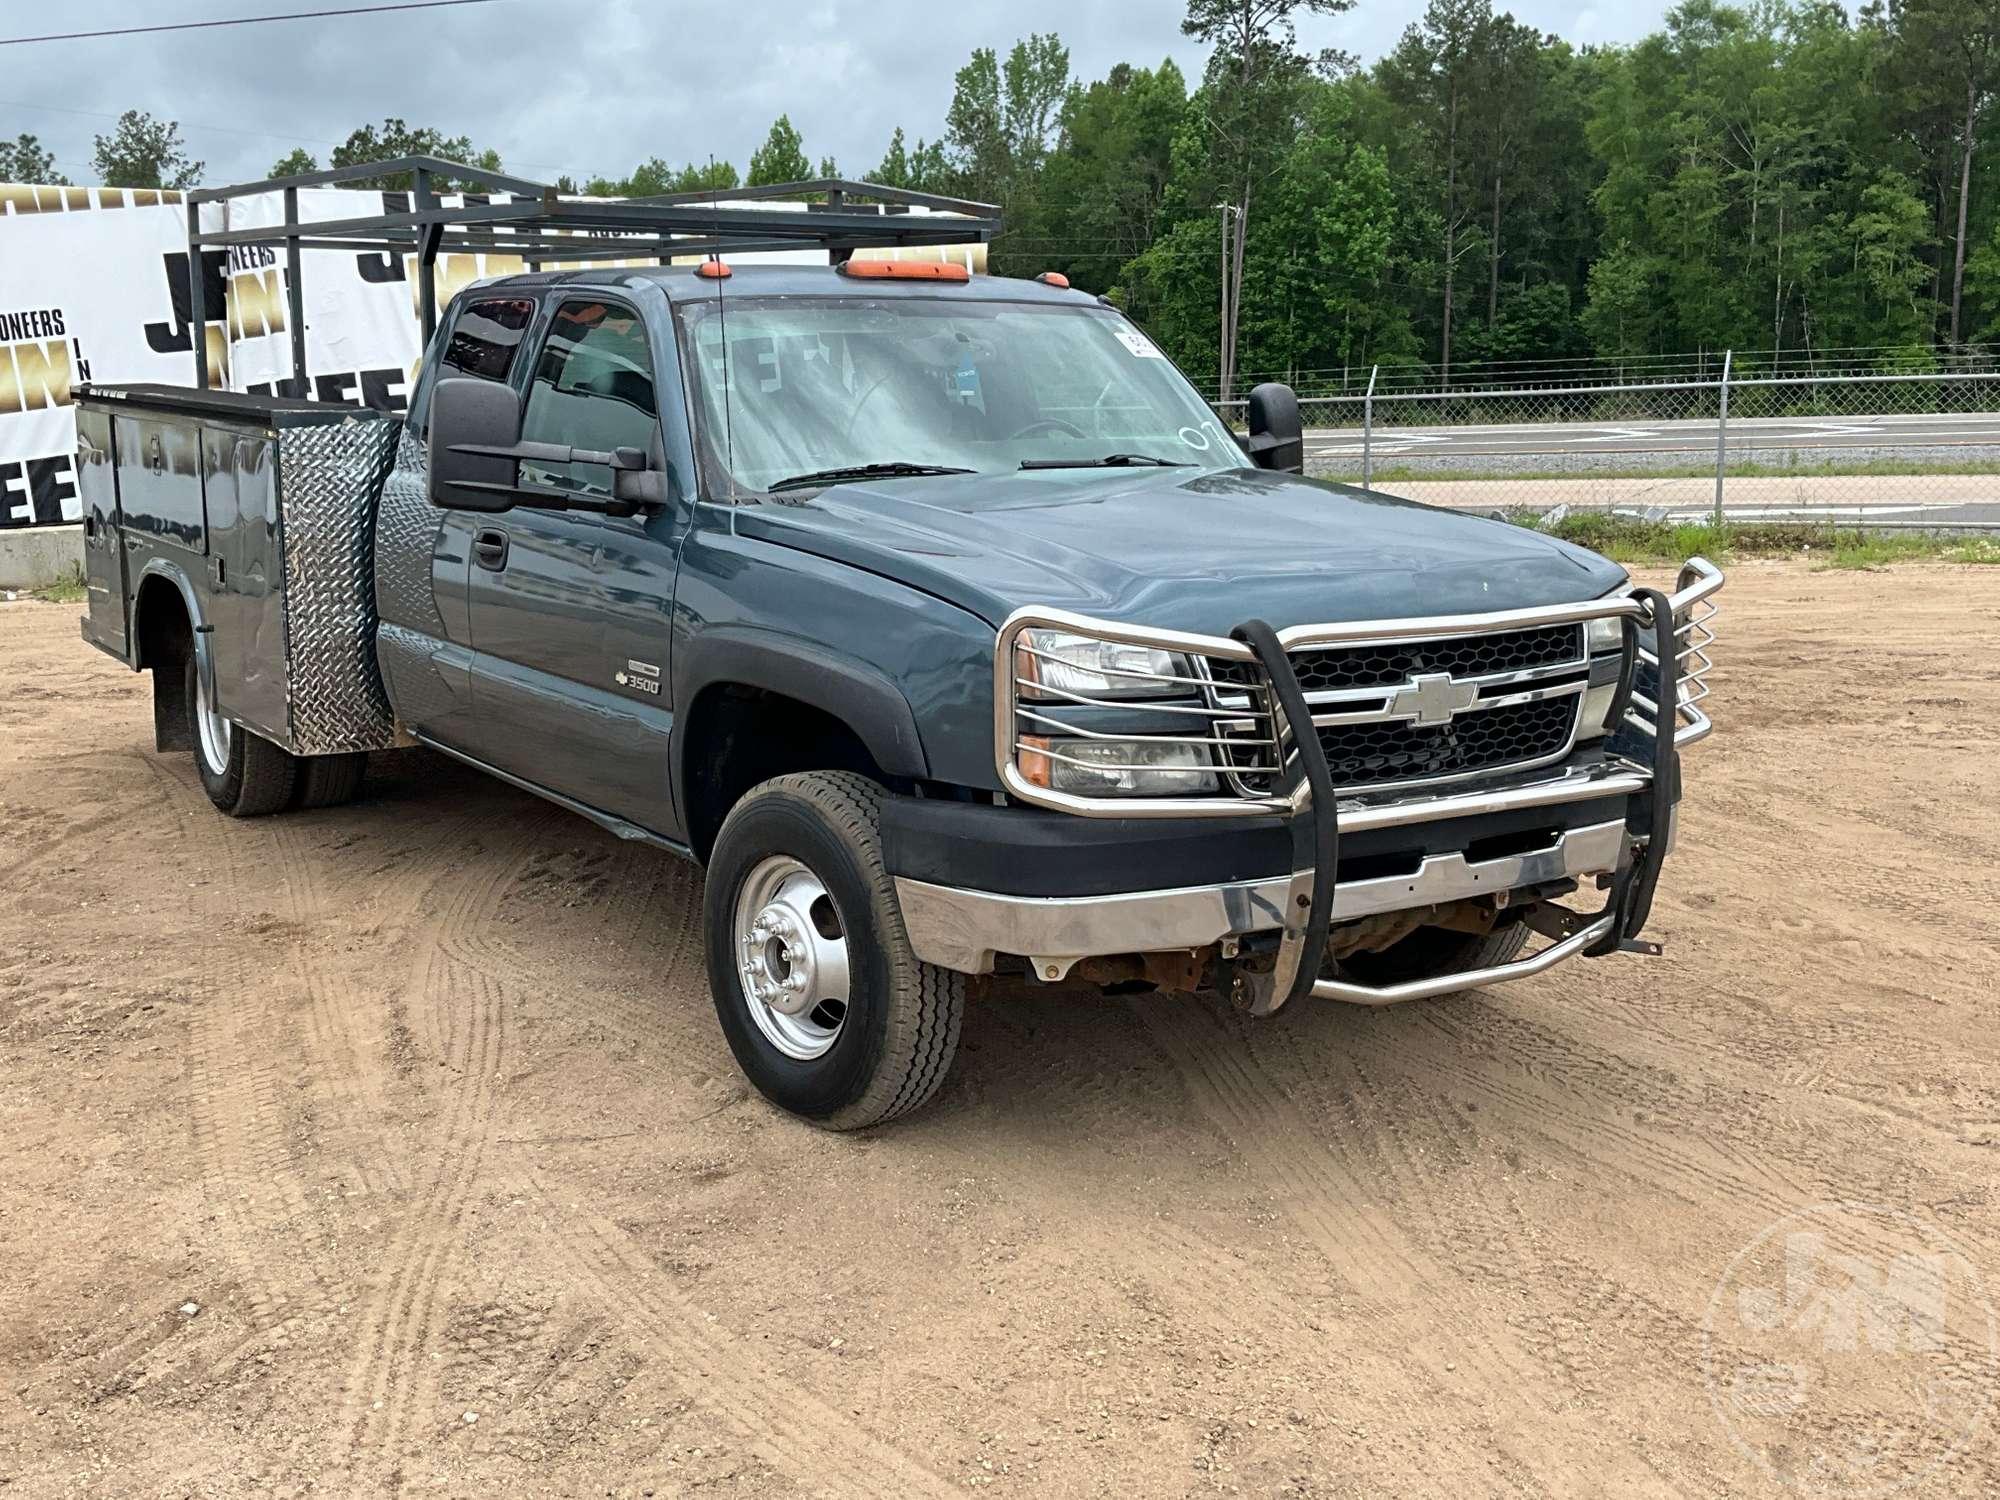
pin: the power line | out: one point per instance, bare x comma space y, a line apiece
299, 15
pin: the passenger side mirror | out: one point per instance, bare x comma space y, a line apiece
1277, 435
476, 456
475, 425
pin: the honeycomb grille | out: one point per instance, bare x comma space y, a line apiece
1362, 754
1329, 669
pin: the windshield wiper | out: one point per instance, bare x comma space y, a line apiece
851, 472
1109, 461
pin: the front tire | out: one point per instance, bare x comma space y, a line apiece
244, 774
829, 1012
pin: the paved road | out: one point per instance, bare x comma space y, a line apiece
1676, 442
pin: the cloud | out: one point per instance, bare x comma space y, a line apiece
587, 88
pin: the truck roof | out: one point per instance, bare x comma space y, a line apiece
682, 284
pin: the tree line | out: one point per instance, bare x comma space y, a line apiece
1780, 176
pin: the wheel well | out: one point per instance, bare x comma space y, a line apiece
737, 736
161, 629
162, 636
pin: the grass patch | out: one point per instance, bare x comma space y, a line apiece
1879, 551
1641, 543
68, 587
1877, 468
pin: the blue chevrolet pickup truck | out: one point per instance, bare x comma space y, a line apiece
942, 621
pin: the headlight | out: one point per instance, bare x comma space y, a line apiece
1605, 634
1116, 768
1055, 663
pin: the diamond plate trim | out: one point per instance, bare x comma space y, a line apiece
329, 477
407, 528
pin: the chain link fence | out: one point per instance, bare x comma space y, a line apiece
1918, 451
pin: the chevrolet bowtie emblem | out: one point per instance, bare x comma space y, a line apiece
1433, 698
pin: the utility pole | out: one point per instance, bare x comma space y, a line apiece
1227, 351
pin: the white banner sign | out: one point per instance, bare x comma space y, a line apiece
94, 289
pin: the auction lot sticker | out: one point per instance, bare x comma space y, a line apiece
1851, 1350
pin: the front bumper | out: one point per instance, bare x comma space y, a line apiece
1632, 786
965, 929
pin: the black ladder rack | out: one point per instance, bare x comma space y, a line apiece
539, 223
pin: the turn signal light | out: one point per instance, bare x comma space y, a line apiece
1032, 758
1053, 278
904, 270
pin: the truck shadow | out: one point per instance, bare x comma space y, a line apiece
611, 929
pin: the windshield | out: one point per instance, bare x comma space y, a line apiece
824, 383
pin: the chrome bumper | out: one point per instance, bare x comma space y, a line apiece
962, 929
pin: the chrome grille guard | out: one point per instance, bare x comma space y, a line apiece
1665, 649
1220, 722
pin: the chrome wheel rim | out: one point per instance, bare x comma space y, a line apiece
791, 956
211, 728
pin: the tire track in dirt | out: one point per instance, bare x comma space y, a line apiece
1739, 1159
1340, 1204
244, 1085
789, 1427
462, 1015
1471, 1221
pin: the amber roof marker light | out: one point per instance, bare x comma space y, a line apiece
904, 270
1054, 279
714, 270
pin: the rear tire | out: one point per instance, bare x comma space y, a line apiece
330, 780
799, 907
244, 774
1431, 951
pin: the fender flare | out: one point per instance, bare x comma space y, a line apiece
170, 727
860, 696
198, 624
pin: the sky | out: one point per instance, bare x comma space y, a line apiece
592, 87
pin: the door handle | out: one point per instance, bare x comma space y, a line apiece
489, 549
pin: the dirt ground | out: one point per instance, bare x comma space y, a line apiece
395, 1148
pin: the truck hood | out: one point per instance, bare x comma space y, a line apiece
1186, 551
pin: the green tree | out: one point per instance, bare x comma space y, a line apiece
1098, 196
1619, 318
1250, 96
1431, 76
24, 160
142, 152
395, 138
296, 162
1951, 49
656, 177
782, 157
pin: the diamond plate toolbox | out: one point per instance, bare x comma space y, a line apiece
329, 481
256, 514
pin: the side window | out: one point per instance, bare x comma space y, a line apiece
484, 338
593, 389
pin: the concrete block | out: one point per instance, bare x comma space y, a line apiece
32, 557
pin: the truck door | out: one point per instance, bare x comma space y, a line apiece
103, 549
570, 612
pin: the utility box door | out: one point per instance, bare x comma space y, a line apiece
103, 541
246, 604
159, 479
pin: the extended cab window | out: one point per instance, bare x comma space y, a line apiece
593, 389
484, 338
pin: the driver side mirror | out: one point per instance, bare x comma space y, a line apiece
474, 423
1277, 434
476, 454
